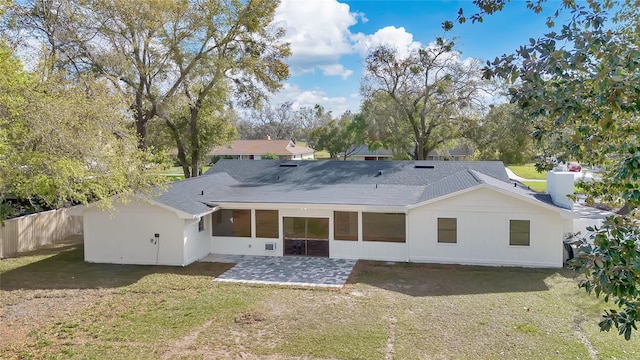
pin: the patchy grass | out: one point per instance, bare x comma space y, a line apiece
175, 173
177, 170
318, 154
527, 171
56, 306
322, 155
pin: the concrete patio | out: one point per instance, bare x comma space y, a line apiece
285, 270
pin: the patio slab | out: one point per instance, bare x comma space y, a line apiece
285, 270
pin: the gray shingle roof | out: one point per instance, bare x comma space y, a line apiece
388, 183
320, 173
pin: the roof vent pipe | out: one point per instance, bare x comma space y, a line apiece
379, 173
202, 192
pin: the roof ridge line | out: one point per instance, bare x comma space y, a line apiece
475, 174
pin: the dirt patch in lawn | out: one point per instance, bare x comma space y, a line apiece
25, 311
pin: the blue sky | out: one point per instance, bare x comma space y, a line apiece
330, 38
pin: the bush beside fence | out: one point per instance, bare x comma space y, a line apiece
33, 231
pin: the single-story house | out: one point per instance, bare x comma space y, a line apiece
362, 152
255, 149
408, 211
459, 153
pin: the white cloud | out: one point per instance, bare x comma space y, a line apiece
397, 38
318, 30
335, 70
309, 98
319, 34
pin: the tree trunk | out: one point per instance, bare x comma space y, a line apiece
195, 145
182, 156
142, 126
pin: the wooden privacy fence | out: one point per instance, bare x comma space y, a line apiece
33, 231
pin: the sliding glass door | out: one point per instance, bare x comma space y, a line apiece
306, 236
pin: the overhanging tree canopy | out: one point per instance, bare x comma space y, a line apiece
431, 90
583, 84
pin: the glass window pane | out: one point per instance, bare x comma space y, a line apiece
447, 230
242, 223
294, 228
221, 221
318, 228
306, 228
267, 224
229, 222
519, 232
383, 227
345, 225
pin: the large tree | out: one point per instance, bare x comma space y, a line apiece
433, 93
150, 49
65, 141
277, 122
582, 84
342, 135
504, 134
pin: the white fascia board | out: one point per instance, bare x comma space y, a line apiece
440, 198
181, 214
336, 207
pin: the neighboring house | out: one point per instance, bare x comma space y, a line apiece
362, 152
455, 154
255, 149
416, 211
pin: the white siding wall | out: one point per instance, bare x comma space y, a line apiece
196, 243
124, 235
581, 225
369, 250
483, 231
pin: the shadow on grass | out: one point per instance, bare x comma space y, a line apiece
446, 280
67, 270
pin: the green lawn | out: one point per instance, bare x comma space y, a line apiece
177, 170
56, 306
319, 154
527, 171
539, 186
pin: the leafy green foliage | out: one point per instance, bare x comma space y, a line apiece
63, 142
429, 96
504, 134
269, 156
152, 51
611, 266
581, 85
340, 136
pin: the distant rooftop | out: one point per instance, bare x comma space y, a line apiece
260, 147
